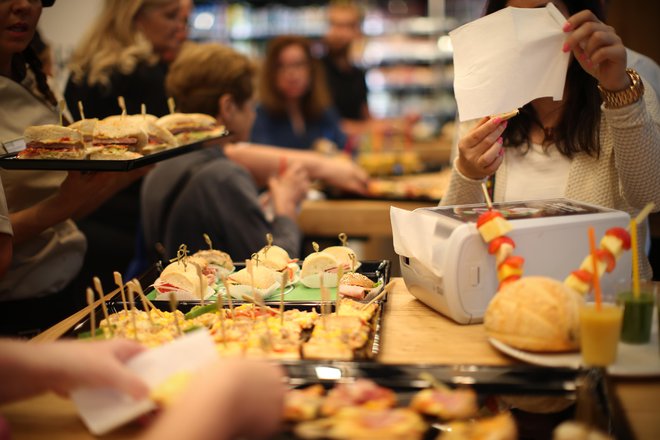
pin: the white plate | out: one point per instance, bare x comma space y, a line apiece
632, 359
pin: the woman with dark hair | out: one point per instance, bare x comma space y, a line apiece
295, 109
48, 249
600, 144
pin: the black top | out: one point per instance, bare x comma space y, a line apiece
347, 88
146, 85
204, 192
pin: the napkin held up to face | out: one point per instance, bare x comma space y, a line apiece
506, 59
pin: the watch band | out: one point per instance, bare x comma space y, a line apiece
627, 96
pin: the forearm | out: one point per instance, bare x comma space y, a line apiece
462, 190
33, 220
21, 372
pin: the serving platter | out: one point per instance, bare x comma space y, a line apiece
539, 398
10, 161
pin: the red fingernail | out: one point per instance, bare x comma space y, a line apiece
501, 153
497, 120
500, 140
505, 123
567, 27
565, 47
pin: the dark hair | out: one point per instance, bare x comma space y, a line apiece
579, 125
29, 59
317, 98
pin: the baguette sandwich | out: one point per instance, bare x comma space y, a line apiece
191, 127
52, 142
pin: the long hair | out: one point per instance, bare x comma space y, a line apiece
29, 60
113, 43
579, 124
317, 98
196, 82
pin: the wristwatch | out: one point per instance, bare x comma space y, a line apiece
627, 96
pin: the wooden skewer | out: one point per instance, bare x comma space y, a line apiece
120, 284
61, 105
140, 292
122, 105
208, 241
324, 299
173, 308
229, 298
343, 238
285, 279
143, 109
221, 312
644, 212
340, 275
200, 276
380, 295
131, 303
104, 307
145, 302
81, 110
486, 196
170, 104
315, 246
92, 314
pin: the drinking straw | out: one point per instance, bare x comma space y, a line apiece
594, 260
635, 257
486, 196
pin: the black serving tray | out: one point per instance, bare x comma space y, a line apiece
12, 162
539, 398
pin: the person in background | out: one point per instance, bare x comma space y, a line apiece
227, 399
346, 81
600, 144
125, 53
42, 284
295, 109
205, 192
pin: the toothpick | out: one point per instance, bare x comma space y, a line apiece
140, 292
324, 299
340, 275
229, 298
200, 275
92, 314
285, 279
170, 104
145, 304
104, 307
380, 295
81, 110
343, 238
315, 246
120, 284
489, 202
131, 302
353, 261
221, 312
269, 243
143, 110
208, 241
644, 212
173, 307
61, 105
122, 105
248, 265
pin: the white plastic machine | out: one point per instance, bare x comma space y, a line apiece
445, 262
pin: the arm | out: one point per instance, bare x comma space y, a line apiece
263, 162
249, 405
79, 195
28, 369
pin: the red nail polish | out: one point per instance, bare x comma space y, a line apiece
565, 47
501, 152
500, 140
497, 120
567, 27
505, 124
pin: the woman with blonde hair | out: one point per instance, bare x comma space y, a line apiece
122, 55
295, 109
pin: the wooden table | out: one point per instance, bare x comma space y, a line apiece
412, 333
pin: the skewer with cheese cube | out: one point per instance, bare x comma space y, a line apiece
579, 280
502, 247
492, 224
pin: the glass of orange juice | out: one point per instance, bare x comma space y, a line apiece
600, 330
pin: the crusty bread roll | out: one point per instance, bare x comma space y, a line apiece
535, 314
343, 256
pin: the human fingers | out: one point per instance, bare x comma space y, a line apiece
125, 349
491, 155
578, 19
485, 133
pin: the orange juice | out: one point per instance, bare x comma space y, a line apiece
599, 333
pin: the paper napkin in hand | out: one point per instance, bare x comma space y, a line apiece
506, 59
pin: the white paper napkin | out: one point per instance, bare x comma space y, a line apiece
506, 59
103, 410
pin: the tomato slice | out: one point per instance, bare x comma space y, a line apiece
583, 275
488, 216
608, 258
499, 241
513, 261
622, 235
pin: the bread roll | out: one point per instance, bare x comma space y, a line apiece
535, 314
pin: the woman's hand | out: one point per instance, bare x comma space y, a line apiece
289, 189
340, 172
598, 49
480, 152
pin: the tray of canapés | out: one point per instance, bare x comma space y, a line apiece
328, 307
116, 143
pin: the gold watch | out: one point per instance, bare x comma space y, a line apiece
627, 96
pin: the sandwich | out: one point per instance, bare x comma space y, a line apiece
345, 257
86, 128
319, 265
277, 258
158, 138
191, 127
218, 263
262, 283
118, 140
52, 142
355, 285
183, 278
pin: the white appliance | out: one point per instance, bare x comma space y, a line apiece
445, 262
